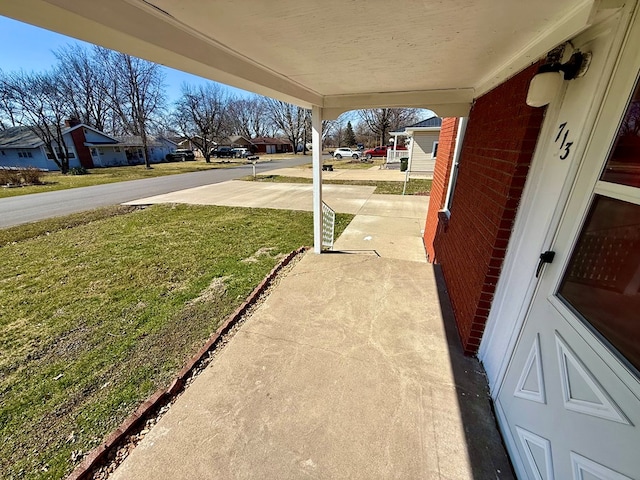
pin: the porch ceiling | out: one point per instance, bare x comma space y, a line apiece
336, 54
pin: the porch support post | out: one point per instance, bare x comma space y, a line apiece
316, 142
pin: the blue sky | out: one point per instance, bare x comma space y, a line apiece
30, 48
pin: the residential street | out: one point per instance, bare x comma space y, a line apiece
30, 208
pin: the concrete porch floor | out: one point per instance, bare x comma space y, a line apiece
352, 368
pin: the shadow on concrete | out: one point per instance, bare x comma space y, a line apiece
485, 446
354, 252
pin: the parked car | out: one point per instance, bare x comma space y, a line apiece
180, 155
223, 152
379, 151
241, 152
346, 152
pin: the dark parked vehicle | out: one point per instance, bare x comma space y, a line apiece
181, 155
223, 152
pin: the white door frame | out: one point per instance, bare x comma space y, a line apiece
548, 186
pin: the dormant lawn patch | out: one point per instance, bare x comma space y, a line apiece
96, 315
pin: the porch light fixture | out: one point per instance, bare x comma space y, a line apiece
548, 81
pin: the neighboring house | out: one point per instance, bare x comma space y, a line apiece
236, 141
158, 147
188, 144
21, 148
102, 149
88, 147
271, 145
423, 143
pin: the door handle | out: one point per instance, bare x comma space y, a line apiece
545, 257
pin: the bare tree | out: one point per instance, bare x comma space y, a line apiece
289, 119
40, 106
249, 117
83, 84
381, 121
8, 108
631, 122
364, 135
135, 91
200, 115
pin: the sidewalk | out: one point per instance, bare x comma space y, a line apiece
351, 369
374, 174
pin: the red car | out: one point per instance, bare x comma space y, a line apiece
379, 152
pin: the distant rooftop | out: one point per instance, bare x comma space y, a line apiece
431, 122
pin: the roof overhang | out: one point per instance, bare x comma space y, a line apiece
412, 130
429, 54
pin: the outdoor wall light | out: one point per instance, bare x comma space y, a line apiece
548, 81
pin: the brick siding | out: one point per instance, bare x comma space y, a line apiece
441, 174
500, 139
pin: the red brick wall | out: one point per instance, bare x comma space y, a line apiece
84, 155
500, 139
441, 174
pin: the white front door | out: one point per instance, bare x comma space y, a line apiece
570, 400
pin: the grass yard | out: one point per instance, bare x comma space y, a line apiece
99, 310
98, 176
414, 187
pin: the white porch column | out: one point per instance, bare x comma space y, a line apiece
316, 141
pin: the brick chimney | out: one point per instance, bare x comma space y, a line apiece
71, 122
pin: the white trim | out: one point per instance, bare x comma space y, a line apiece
620, 192
509, 441
605, 407
462, 129
454, 102
534, 360
316, 142
548, 186
410, 130
526, 437
581, 465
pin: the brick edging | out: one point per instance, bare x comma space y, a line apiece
163, 396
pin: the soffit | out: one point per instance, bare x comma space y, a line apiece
331, 53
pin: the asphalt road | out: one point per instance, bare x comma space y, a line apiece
38, 206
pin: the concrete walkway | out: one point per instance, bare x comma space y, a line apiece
351, 369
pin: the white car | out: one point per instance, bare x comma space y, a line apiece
346, 152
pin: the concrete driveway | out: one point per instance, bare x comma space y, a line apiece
286, 196
387, 225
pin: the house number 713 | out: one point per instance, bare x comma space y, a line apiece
563, 133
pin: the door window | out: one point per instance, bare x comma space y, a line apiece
602, 280
623, 166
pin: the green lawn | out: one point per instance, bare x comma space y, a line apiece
349, 163
414, 186
98, 176
99, 310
